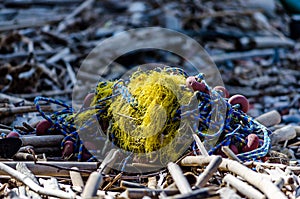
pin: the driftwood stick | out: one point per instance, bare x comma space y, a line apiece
92, 185
95, 180
3, 126
116, 178
256, 179
32, 185
55, 168
230, 153
76, 178
45, 93
14, 25
128, 184
198, 193
135, 193
21, 167
200, 145
178, 177
152, 182
242, 187
242, 55
22, 109
209, 171
6, 131
14, 99
42, 141
63, 24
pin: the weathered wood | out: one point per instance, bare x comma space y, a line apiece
178, 177
14, 99
242, 187
76, 178
22, 109
44, 170
63, 24
92, 185
42, 141
32, 185
110, 184
256, 179
21, 167
29, 23
152, 182
209, 171
200, 145
242, 55
230, 153
45, 93
136, 193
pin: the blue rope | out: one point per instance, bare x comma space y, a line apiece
237, 125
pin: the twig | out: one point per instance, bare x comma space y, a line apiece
116, 178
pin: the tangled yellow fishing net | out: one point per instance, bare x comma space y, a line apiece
153, 123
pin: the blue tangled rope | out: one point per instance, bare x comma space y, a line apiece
237, 125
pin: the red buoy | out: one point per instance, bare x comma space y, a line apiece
241, 100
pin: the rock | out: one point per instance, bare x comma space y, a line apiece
283, 134
137, 7
269, 119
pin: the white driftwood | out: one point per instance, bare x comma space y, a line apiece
178, 177
92, 185
152, 182
230, 153
32, 185
76, 179
209, 171
200, 145
243, 188
256, 179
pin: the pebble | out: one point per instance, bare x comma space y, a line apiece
283, 134
269, 119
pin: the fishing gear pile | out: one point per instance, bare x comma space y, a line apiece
154, 113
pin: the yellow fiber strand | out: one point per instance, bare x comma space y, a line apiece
150, 125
